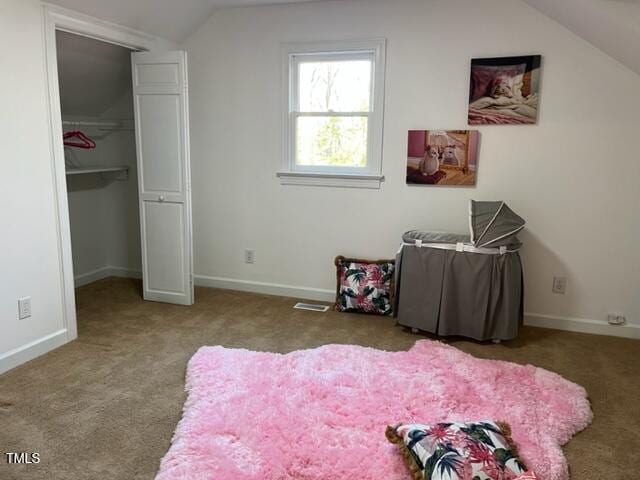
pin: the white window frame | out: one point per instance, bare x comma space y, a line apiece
369, 176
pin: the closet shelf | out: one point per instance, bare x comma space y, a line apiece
102, 125
115, 173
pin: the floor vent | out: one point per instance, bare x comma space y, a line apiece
311, 306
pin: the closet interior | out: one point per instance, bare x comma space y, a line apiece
100, 157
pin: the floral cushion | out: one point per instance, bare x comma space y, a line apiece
460, 451
364, 286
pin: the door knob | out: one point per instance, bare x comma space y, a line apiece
161, 198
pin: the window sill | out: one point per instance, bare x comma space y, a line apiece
330, 179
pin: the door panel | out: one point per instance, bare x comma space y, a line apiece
165, 224
162, 141
160, 127
157, 73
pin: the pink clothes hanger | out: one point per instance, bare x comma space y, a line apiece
78, 139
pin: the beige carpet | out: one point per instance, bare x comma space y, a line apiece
105, 406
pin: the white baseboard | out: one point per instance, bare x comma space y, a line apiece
124, 272
570, 324
104, 272
90, 277
302, 293
31, 350
38, 347
582, 325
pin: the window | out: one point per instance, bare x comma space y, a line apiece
333, 102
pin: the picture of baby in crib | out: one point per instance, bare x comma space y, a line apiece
442, 157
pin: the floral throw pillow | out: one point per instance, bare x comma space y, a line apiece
364, 286
460, 451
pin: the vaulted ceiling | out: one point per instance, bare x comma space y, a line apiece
171, 19
93, 75
613, 26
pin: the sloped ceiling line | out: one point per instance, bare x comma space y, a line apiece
612, 26
169, 19
93, 75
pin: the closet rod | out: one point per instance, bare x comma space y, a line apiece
81, 123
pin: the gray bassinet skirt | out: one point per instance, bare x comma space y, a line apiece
450, 284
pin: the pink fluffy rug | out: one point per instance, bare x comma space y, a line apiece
321, 414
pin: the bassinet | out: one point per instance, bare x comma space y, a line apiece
472, 286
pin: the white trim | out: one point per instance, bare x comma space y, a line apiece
92, 27
331, 114
513, 232
570, 324
104, 272
90, 277
583, 325
461, 247
122, 272
31, 350
57, 18
472, 233
302, 293
330, 179
375, 49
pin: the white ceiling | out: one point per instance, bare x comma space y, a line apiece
171, 19
613, 26
93, 75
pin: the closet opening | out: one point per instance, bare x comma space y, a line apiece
96, 100
119, 101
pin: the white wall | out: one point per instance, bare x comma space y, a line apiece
86, 197
123, 237
95, 85
29, 254
574, 176
28, 244
103, 212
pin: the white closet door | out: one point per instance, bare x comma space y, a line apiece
162, 139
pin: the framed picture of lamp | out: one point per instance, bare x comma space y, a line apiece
504, 90
442, 157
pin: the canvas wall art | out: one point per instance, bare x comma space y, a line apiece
504, 91
442, 157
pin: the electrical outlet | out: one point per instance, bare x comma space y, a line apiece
24, 308
559, 285
249, 255
616, 319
